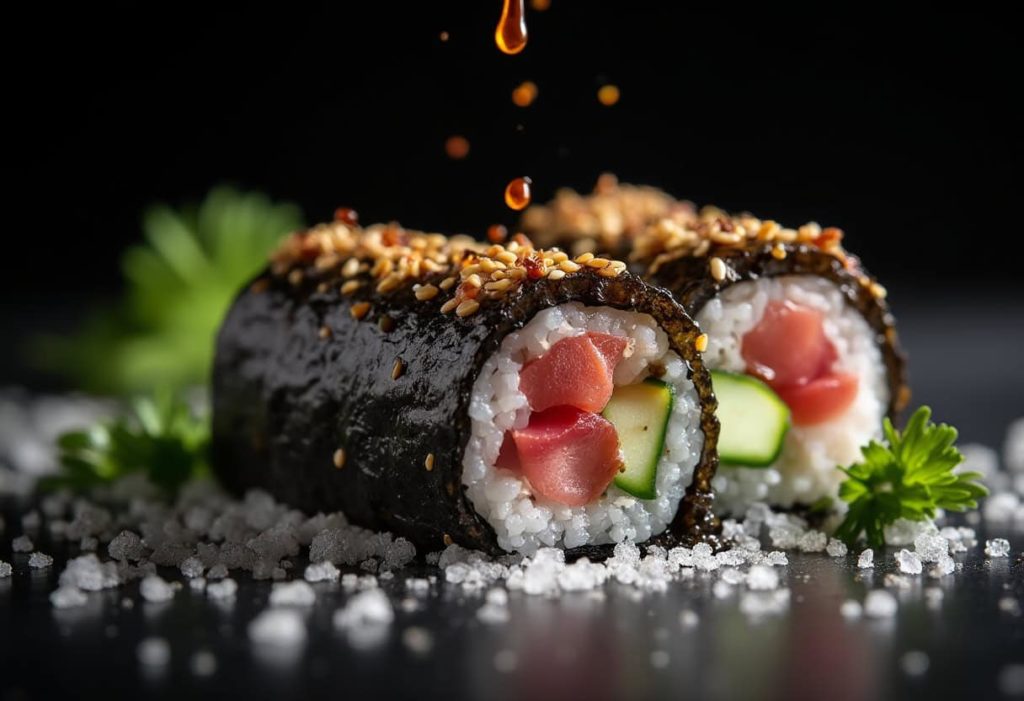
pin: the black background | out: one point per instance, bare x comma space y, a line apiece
904, 131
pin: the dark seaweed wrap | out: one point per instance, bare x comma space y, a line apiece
297, 377
690, 280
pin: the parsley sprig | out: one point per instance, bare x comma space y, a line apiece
910, 476
161, 437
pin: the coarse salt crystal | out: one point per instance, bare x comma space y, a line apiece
866, 559
279, 627
297, 593
880, 604
22, 544
997, 547
322, 572
909, 562
155, 589
365, 608
5, 569
38, 560
836, 548
222, 589
850, 610
67, 597
762, 578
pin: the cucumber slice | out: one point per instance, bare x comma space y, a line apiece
640, 415
754, 420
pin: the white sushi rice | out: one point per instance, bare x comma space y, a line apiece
806, 469
525, 522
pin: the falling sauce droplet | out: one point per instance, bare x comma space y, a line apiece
496, 233
346, 215
524, 94
517, 193
608, 95
540, 5
457, 147
510, 35
444, 36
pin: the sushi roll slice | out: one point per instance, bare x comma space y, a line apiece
802, 345
503, 398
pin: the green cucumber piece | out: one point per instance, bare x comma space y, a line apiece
754, 420
640, 415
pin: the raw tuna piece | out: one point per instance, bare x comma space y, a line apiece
508, 457
787, 346
569, 456
575, 371
789, 350
821, 399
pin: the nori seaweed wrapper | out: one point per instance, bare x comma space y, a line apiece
689, 279
297, 377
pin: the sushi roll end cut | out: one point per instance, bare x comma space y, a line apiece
505, 398
802, 346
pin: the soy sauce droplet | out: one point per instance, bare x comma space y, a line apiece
510, 35
517, 193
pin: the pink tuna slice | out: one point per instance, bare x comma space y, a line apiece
788, 349
569, 456
820, 400
575, 371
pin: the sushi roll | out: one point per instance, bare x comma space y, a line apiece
803, 348
503, 398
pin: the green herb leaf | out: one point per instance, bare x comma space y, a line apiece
178, 286
909, 476
161, 438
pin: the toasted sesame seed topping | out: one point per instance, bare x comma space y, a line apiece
295, 277
718, 269
429, 462
425, 292
339, 458
467, 307
325, 332
701, 344
556, 274
449, 305
447, 539
447, 283
584, 258
350, 287
779, 252
397, 369
359, 310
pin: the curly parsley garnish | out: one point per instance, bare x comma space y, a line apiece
909, 477
161, 438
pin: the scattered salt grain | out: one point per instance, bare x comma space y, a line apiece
866, 559
417, 640
222, 589
915, 663
812, 542
836, 548
660, 659
762, 578
322, 572
278, 627
22, 544
153, 652
297, 593
851, 610
126, 545
218, 571
192, 567
495, 608
732, 576
5, 569
880, 604
156, 590
931, 546
758, 604
368, 607
943, 566
31, 521
904, 531
203, 664
997, 547
776, 558
67, 597
908, 562
88, 573
38, 560
582, 575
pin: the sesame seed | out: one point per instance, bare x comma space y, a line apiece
718, 269
598, 263
779, 252
429, 462
466, 308
447, 539
556, 274
389, 283
449, 305
325, 332
878, 291
425, 292
350, 268
447, 283
295, 277
499, 285
359, 310
568, 266
350, 287
396, 370
339, 458
584, 258
701, 344
608, 271
473, 281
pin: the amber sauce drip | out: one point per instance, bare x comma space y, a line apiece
510, 35
517, 194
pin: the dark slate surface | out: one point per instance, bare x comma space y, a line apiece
967, 361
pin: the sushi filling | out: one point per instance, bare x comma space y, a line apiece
585, 430
798, 335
